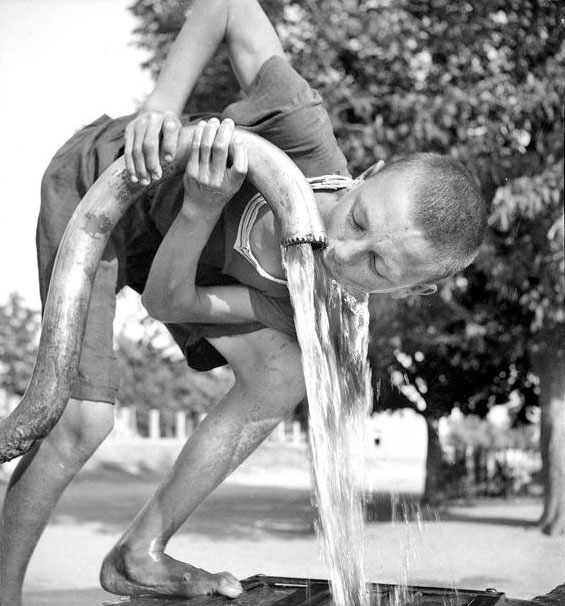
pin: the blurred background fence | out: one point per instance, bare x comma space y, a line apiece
468, 470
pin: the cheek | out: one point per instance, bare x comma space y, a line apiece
335, 224
331, 232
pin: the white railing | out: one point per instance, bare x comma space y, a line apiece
154, 424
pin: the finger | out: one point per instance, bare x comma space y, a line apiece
208, 137
220, 148
137, 153
151, 147
170, 130
128, 149
240, 161
193, 164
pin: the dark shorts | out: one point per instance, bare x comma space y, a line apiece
126, 260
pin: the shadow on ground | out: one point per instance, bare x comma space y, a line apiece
388, 507
456, 516
111, 500
82, 597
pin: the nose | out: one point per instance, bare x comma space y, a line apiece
347, 252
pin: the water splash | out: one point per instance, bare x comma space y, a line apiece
332, 327
413, 526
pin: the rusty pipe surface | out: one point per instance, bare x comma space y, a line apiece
66, 309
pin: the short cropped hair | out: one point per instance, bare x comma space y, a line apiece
447, 205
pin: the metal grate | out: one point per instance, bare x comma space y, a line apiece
261, 590
312, 592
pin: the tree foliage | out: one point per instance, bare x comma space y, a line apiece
19, 337
153, 374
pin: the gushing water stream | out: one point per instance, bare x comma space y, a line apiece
332, 327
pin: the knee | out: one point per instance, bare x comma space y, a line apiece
83, 426
268, 372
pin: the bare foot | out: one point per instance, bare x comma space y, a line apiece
126, 573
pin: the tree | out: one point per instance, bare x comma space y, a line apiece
481, 81
431, 355
19, 336
528, 212
153, 374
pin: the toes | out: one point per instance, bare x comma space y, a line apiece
228, 585
198, 582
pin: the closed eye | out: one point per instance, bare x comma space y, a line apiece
354, 223
373, 263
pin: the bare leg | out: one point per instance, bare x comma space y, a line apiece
37, 483
268, 385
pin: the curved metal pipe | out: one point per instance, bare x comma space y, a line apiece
66, 309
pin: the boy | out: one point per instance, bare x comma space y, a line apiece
213, 273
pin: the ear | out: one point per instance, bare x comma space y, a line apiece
366, 174
419, 290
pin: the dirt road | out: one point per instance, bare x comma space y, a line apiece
258, 529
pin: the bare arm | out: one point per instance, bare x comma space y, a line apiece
250, 39
171, 294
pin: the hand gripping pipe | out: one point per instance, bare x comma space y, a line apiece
270, 170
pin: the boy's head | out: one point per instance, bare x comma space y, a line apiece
404, 225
